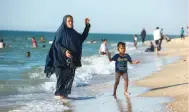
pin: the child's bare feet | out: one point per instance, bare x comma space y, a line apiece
127, 93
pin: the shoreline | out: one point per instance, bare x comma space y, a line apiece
100, 94
172, 79
134, 102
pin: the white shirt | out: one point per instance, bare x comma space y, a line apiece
1, 45
157, 34
135, 38
103, 47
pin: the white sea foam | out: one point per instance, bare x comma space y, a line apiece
92, 66
37, 73
42, 106
37, 103
46, 86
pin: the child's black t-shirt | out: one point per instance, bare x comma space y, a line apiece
121, 62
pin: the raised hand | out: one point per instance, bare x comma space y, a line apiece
137, 62
87, 20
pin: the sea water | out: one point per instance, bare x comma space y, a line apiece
23, 84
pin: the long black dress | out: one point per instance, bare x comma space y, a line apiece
56, 61
143, 35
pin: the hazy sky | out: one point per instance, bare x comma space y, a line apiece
107, 16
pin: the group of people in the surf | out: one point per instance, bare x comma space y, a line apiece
158, 38
156, 44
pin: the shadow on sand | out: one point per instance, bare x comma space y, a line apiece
80, 98
167, 86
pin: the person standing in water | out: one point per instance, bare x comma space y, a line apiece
34, 42
65, 55
161, 39
42, 40
135, 41
157, 37
121, 60
182, 33
143, 35
2, 43
103, 50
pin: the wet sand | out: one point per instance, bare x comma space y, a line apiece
172, 80
105, 102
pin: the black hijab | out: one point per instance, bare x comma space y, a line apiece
65, 39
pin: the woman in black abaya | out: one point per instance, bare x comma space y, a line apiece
65, 55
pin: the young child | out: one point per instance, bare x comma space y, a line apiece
135, 41
103, 48
121, 60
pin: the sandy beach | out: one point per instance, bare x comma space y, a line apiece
165, 90
172, 80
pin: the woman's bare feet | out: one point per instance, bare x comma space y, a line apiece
59, 97
62, 98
